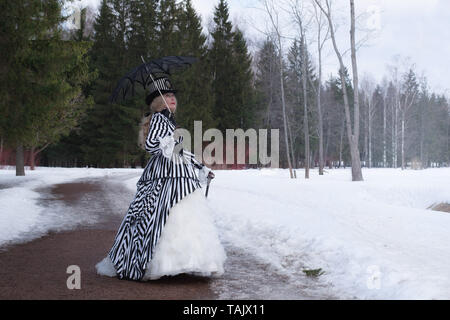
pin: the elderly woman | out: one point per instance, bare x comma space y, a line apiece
168, 228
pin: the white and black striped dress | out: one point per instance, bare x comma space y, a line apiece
164, 182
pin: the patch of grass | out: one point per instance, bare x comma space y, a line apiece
313, 273
444, 207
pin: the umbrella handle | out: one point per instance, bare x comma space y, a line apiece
207, 186
155, 86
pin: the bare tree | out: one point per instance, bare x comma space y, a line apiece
404, 95
352, 130
408, 97
274, 19
385, 95
321, 24
394, 103
299, 18
368, 90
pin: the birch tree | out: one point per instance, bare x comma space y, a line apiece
273, 14
408, 97
352, 127
299, 17
322, 27
368, 91
385, 95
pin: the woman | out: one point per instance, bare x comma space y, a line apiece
168, 228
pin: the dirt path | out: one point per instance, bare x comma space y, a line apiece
37, 269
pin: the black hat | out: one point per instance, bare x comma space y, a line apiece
163, 84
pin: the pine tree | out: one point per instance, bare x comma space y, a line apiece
267, 88
42, 78
112, 128
194, 84
230, 67
105, 61
168, 32
245, 97
296, 96
143, 39
221, 59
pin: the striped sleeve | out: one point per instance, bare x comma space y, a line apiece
158, 129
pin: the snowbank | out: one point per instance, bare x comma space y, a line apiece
375, 239
22, 218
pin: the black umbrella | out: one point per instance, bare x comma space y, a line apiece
144, 74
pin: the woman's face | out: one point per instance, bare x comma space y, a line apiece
171, 101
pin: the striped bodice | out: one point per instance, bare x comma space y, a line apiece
182, 162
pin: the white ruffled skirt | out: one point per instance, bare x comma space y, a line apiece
189, 243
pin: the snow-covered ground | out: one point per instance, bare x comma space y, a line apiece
22, 218
374, 239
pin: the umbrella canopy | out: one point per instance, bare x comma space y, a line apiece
143, 74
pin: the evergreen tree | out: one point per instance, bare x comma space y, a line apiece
194, 84
221, 59
295, 96
243, 81
111, 129
143, 39
168, 32
267, 81
104, 60
42, 75
230, 69
336, 114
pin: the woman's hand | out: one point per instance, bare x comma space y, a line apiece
204, 174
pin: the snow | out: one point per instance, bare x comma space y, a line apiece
374, 239
23, 218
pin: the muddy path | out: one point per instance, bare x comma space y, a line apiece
38, 269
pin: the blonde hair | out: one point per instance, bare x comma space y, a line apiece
144, 128
157, 104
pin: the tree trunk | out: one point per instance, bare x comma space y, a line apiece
330, 165
384, 132
320, 44
448, 142
366, 137
352, 133
20, 165
394, 133
356, 162
1, 150
321, 151
396, 137
284, 111
370, 132
32, 158
341, 142
305, 108
422, 137
291, 144
403, 141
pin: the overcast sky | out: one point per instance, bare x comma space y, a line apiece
418, 29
